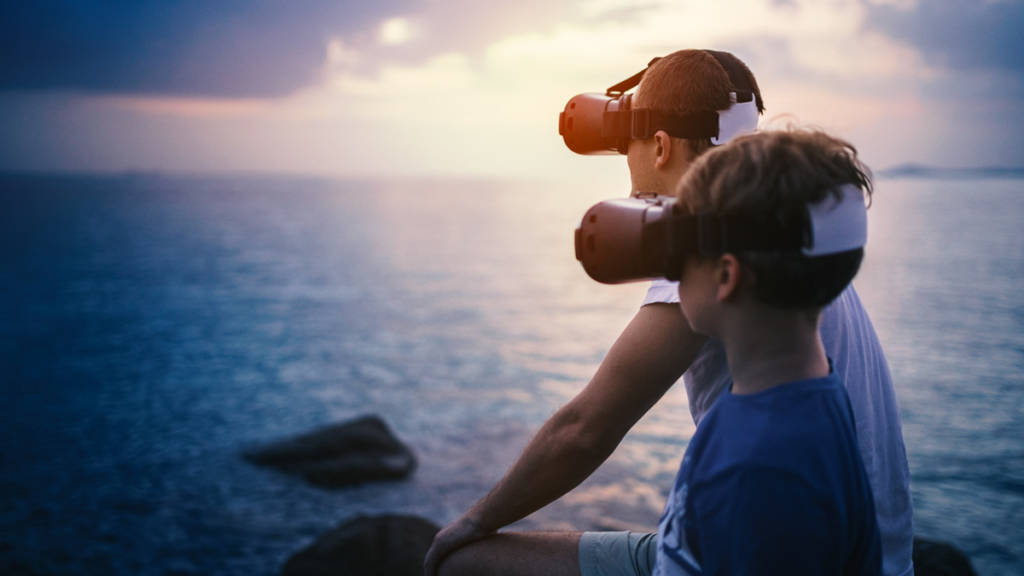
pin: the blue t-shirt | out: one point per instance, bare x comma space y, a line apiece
850, 340
772, 483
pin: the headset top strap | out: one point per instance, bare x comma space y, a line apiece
631, 82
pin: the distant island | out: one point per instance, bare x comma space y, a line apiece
912, 170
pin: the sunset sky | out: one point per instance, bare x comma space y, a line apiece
469, 88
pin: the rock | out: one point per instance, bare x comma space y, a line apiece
365, 546
933, 558
353, 452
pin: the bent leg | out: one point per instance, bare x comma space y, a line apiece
517, 553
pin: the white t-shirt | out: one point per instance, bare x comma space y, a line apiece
857, 358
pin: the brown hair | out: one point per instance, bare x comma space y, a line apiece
690, 81
776, 175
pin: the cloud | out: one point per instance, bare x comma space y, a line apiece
227, 48
957, 34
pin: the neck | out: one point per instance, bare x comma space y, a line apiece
772, 347
671, 176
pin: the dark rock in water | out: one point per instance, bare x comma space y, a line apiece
365, 546
353, 452
932, 558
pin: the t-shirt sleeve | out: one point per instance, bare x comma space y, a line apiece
762, 521
662, 291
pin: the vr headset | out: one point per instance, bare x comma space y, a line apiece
605, 123
631, 239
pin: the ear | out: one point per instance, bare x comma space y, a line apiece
728, 277
663, 149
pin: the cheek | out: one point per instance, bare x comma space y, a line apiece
686, 305
696, 299
635, 160
631, 163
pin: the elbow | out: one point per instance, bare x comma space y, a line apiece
584, 433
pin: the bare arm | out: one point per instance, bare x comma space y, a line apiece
649, 356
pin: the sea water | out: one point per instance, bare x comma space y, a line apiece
152, 327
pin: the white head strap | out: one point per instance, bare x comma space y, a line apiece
739, 118
838, 225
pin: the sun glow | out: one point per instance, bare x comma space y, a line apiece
395, 31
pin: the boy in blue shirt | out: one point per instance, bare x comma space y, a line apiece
772, 482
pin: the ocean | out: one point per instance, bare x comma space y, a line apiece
151, 327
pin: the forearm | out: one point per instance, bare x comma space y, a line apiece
560, 456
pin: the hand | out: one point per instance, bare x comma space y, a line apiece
463, 531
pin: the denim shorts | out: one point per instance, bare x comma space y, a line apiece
617, 553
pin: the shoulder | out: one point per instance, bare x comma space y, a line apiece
806, 430
777, 418
845, 322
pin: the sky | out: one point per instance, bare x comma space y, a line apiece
404, 88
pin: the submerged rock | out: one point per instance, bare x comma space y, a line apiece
933, 558
353, 452
365, 546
